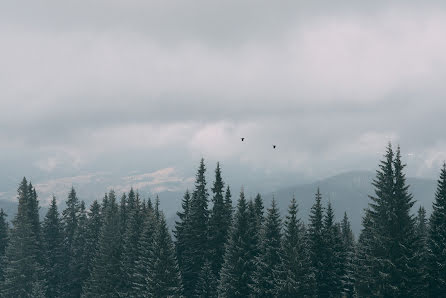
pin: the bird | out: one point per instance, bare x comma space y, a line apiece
242, 139
274, 146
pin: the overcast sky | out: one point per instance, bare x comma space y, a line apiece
142, 87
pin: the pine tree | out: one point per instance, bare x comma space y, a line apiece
207, 282
198, 235
236, 273
52, 243
254, 241
130, 243
140, 285
395, 240
331, 279
316, 241
218, 225
78, 266
4, 237
123, 210
296, 277
348, 270
181, 233
23, 271
163, 277
421, 229
92, 232
105, 276
70, 220
268, 262
437, 239
365, 270
228, 208
258, 206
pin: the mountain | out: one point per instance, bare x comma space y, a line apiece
347, 192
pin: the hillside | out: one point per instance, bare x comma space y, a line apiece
348, 192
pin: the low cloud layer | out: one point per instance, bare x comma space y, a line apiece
142, 86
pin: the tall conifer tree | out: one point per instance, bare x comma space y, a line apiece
393, 227
163, 279
52, 243
218, 224
228, 207
4, 237
105, 278
236, 273
92, 232
316, 240
181, 232
348, 270
296, 277
332, 262
437, 239
140, 283
23, 274
207, 282
78, 266
268, 262
130, 252
198, 237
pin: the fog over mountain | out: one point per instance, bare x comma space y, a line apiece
347, 192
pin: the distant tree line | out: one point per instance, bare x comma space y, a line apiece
123, 248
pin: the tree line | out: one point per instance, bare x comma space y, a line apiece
123, 247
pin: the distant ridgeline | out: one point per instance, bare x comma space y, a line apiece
122, 246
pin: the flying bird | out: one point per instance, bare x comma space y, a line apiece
274, 146
242, 139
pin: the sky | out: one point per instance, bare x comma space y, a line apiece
134, 93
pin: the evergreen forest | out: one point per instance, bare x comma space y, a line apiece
225, 245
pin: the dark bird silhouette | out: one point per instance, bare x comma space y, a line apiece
243, 139
274, 146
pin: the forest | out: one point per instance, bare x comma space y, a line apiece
224, 245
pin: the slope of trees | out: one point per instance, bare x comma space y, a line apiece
124, 249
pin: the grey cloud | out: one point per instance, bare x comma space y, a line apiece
125, 85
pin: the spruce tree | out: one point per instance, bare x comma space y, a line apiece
181, 232
228, 208
254, 241
258, 206
78, 265
4, 237
92, 232
348, 270
140, 285
316, 241
395, 241
70, 220
130, 252
207, 282
163, 279
268, 262
421, 229
236, 273
296, 277
437, 239
218, 224
123, 210
198, 235
365, 270
23, 271
330, 284
105, 278
52, 243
